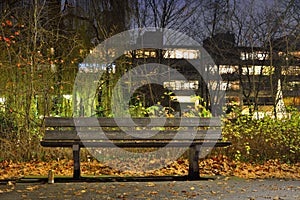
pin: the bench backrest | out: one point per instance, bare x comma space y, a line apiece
156, 129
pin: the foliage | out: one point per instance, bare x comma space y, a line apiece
14, 144
7, 123
137, 109
264, 139
200, 108
219, 165
35, 71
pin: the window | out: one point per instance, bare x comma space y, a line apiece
294, 54
181, 85
182, 53
226, 69
256, 55
291, 70
218, 86
257, 70
234, 85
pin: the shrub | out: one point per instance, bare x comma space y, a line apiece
7, 123
264, 139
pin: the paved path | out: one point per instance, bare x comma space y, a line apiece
220, 188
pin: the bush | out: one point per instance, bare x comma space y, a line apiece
16, 141
7, 124
264, 139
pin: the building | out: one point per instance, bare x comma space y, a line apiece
251, 76
252, 73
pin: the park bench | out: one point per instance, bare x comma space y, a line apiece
76, 133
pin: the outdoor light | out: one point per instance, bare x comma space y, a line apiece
2, 99
67, 96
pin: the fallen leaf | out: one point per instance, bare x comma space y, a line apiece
153, 192
10, 183
151, 184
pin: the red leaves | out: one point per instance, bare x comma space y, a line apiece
9, 23
9, 32
7, 39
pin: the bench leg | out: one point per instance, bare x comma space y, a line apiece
193, 163
76, 158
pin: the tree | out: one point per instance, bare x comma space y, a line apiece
33, 63
95, 23
172, 14
254, 29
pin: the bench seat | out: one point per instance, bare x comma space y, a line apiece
76, 133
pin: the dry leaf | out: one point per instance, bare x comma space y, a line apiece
151, 184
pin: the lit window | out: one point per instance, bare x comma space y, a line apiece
147, 54
257, 55
182, 53
153, 54
181, 85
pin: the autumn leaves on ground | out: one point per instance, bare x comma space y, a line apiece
219, 165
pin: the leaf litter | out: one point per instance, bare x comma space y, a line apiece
220, 165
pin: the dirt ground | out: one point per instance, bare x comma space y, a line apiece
217, 188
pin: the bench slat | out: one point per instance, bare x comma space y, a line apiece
141, 135
124, 122
135, 144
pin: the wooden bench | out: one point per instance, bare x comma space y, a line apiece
76, 133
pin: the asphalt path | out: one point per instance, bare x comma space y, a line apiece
217, 188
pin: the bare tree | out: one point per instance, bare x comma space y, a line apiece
172, 14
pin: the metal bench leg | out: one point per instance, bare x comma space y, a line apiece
193, 163
76, 158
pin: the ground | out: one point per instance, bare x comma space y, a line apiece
219, 188
227, 180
